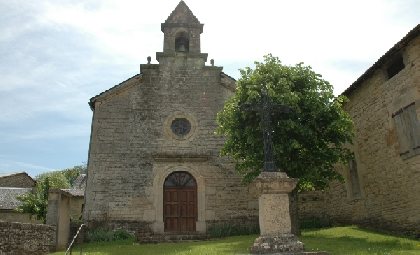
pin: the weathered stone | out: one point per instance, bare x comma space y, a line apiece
274, 216
277, 244
23, 238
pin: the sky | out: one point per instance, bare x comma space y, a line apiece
55, 55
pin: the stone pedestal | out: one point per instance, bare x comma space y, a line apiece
274, 217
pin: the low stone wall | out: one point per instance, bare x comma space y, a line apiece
24, 238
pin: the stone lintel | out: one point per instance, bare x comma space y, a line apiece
180, 158
160, 55
274, 183
144, 67
163, 26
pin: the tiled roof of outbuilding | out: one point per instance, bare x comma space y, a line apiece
75, 192
11, 174
384, 59
8, 197
80, 182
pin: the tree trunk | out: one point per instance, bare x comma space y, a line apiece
293, 210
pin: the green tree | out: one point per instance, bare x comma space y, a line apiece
308, 141
36, 203
72, 173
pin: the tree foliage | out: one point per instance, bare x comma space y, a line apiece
36, 203
308, 141
72, 173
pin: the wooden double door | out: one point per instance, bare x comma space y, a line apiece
180, 202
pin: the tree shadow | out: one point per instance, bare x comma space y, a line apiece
355, 245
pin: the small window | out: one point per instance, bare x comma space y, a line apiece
395, 66
354, 179
182, 43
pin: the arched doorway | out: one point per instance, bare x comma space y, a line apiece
180, 202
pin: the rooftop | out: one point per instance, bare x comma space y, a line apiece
8, 196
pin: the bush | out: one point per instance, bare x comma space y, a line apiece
121, 234
104, 235
223, 230
311, 223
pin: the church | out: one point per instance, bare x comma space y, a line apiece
154, 163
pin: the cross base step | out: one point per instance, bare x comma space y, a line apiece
283, 244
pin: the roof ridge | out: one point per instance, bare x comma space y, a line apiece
15, 173
413, 33
93, 99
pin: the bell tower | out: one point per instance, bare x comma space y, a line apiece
182, 32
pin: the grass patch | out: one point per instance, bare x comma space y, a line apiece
337, 241
355, 241
225, 246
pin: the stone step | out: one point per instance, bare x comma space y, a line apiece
171, 237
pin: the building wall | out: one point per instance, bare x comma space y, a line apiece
24, 238
132, 148
20, 180
13, 216
389, 183
76, 206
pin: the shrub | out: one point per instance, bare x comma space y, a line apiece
104, 235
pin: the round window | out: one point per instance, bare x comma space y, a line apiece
181, 127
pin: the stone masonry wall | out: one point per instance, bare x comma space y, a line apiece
132, 142
14, 216
23, 238
389, 184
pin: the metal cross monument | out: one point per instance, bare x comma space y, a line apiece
265, 108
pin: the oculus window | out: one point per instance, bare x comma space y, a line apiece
181, 127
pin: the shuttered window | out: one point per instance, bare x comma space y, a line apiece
354, 180
408, 130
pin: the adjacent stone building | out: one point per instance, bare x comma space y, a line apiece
11, 186
17, 180
382, 187
154, 160
65, 208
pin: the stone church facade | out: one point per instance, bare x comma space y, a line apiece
154, 161
382, 187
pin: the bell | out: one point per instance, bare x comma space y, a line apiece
181, 48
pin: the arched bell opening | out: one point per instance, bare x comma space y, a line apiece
180, 202
182, 43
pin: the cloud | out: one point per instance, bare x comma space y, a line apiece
55, 55
18, 166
